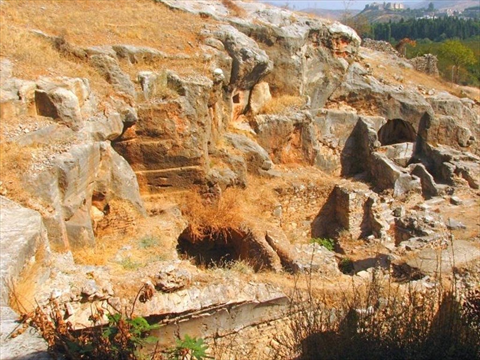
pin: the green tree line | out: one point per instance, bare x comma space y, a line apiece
438, 29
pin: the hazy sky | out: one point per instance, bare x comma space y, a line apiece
334, 4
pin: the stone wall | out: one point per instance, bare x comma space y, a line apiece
426, 63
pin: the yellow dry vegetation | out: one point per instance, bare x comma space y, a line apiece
14, 162
108, 22
386, 71
225, 211
280, 105
86, 23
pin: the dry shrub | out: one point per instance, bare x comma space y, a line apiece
235, 10
384, 321
281, 105
215, 215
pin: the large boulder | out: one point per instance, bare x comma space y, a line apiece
22, 234
256, 157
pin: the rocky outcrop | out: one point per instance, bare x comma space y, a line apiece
286, 137
79, 165
22, 235
360, 89
310, 56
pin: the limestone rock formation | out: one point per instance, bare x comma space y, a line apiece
314, 135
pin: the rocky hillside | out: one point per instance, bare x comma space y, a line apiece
199, 147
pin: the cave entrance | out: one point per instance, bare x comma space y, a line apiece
396, 131
217, 248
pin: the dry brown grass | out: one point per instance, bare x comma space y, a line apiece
281, 105
15, 161
34, 56
107, 22
87, 23
227, 211
126, 240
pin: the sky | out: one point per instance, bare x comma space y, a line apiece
335, 4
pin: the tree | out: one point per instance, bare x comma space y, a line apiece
360, 24
431, 7
458, 55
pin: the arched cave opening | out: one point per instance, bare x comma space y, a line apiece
396, 131
218, 248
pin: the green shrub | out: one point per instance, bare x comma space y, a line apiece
346, 266
189, 348
327, 243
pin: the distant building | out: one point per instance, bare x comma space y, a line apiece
385, 6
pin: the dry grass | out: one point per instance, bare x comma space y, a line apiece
108, 22
141, 244
33, 56
86, 23
227, 211
379, 320
15, 161
281, 105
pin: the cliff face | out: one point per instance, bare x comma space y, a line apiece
226, 102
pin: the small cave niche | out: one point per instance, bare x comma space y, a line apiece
236, 99
216, 248
396, 131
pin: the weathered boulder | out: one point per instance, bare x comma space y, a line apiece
447, 164
108, 67
259, 97
310, 55
286, 136
27, 346
255, 156
460, 254
387, 175
400, 153
302, 257
250, 63
138, 54
429, 187
22, 234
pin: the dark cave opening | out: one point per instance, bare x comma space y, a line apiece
396, 131
215, 247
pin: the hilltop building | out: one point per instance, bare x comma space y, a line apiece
385, 6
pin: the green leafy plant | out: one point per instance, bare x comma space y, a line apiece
327, 243
189, 348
